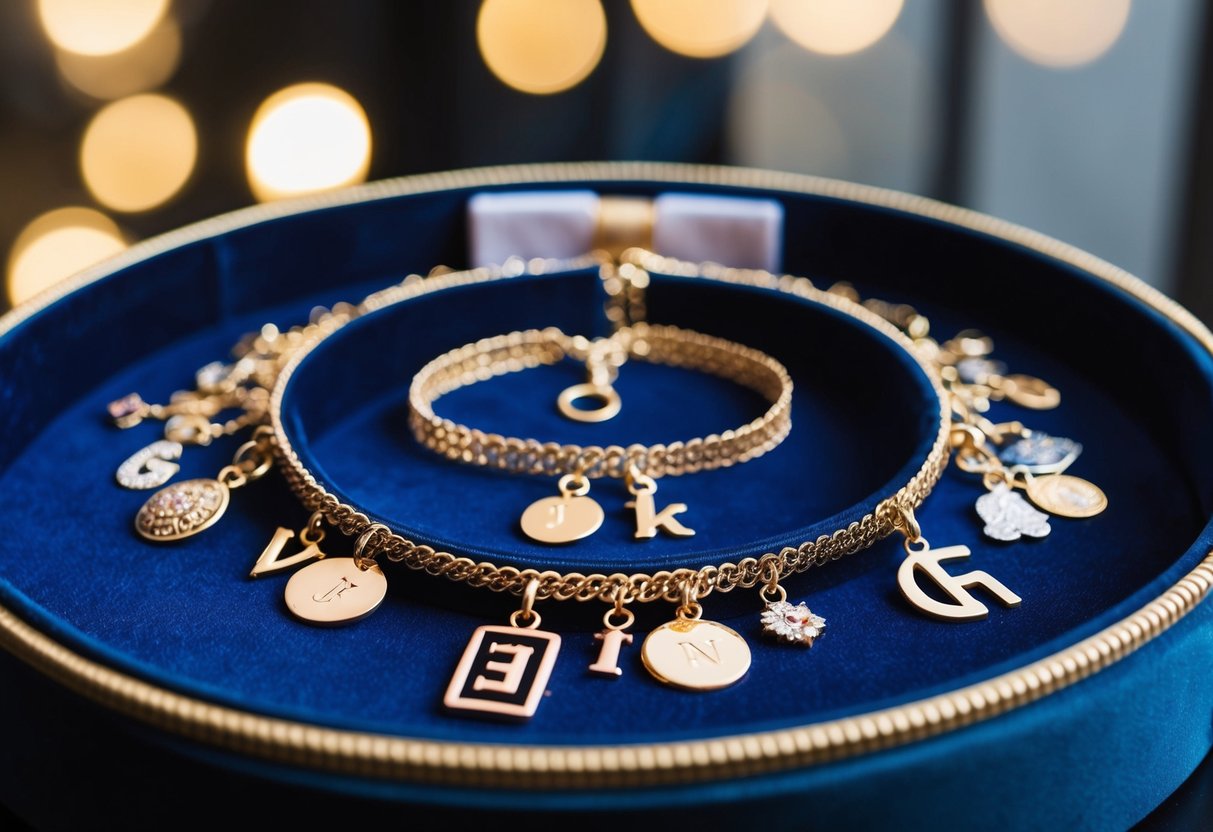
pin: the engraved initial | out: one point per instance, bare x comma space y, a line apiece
608, 655
690, 648
511, 671
965, 606
339, 589
648, 520
557, 513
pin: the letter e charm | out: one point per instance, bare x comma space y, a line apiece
503, 672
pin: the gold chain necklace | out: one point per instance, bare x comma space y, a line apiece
715, 654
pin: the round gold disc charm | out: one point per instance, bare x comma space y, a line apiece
1067, 496
335, 591
695, 655
561, 519
182, 509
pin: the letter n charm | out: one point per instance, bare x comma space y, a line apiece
504, 671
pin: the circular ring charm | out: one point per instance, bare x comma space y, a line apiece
335, 591
608, 408
182, 509
562, 519
1067, 496
695, 654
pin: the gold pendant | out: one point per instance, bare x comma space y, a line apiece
692, 654
270, 561
963, 607
1066, 495
150, 467
1030, 392
335, 591
182, 510
613, 637
648, 519
564, 519
504, 671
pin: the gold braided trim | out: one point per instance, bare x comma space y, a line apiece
666, 585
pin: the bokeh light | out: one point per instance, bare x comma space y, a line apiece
1059, 34
701, 28
307, 138
835, 27
138, 152
541, 46
99, 27
145, 66
56, 245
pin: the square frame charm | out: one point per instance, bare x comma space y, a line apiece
503, 671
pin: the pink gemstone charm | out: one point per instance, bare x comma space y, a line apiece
793, 623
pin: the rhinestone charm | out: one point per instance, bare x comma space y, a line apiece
150, 467
182, 510
793, 623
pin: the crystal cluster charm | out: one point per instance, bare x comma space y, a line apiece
793, 623
1008, 516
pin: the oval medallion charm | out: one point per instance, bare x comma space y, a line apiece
182, 509
335, 591
561, 519
1067, 496
695, 655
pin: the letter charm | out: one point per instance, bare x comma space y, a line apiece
503, 672
692, 654
608, 654
150, 467
335, 591
271, 562
648, 519
965, 606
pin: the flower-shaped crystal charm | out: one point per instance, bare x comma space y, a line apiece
793, 623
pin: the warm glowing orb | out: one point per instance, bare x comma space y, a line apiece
99, 27
1059, 33
57, 245
835, 27
144, 66
138, 152
701, 28
541, 46
307, 138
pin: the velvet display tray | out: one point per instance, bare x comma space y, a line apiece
1105, 662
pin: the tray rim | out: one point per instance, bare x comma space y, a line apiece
384, 756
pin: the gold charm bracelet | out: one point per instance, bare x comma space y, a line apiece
573, 515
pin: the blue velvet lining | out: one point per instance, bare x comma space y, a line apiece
1136, 393
359, 446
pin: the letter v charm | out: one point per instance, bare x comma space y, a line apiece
311, 537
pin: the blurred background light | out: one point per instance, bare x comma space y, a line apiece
144, 66
835, 27
701, 28
138, 152
541, 46
1056, 33
306, 138
99, 27
56, 245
